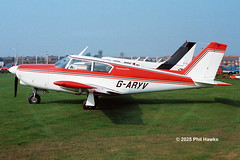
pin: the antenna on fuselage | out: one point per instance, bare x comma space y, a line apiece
159, 60
80, 54
145, 59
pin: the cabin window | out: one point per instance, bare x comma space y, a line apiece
62, 63
78, 64
102, 67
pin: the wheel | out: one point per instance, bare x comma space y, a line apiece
92, 107
85, 107
34, 100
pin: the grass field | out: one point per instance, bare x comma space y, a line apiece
141, 126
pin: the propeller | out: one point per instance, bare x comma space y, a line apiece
13, 70
15, 86
16, 78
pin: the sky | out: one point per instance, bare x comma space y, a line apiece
151, 28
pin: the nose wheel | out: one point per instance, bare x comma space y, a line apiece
34, 99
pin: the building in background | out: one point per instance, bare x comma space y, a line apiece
230, 60
226, 61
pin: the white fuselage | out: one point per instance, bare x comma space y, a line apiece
44, 79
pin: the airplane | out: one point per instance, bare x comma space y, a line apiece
179, 60
235, 77
95, 77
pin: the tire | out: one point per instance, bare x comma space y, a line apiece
92, 107
34, 100
85, 107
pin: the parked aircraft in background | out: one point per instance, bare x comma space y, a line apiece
94, 76
235, 77
179, 60
6, 67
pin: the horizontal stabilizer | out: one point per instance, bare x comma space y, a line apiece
218, 83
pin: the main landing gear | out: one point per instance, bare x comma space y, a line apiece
89, 104
34, 98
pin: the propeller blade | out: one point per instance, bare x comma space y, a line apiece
15, 86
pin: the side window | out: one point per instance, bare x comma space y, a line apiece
63, 62
78, 64
102, 67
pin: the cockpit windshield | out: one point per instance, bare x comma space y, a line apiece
62, 63
82, 64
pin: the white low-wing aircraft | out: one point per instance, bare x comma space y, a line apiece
179, 60
94, 76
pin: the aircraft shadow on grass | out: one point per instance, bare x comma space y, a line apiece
228, 102
183, 101
121, 109
125, 109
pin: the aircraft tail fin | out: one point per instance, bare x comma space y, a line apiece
180, 58
205, 65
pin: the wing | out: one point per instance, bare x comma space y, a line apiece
94, 88
71, 84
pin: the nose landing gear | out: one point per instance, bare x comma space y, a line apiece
34, 98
